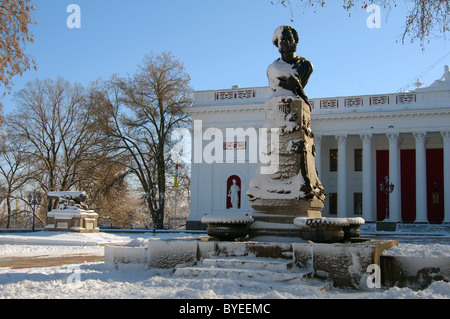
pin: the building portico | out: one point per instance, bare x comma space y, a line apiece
358, 141
395, 150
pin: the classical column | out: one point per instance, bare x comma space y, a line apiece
446, 140
318, 157
342, 176
367, 177
394, 177
421, 178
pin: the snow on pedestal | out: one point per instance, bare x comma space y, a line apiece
72, 214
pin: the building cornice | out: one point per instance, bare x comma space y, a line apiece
391, 105
381, 114
257, 107
332, 116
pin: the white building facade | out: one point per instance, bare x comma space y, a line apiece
359, 140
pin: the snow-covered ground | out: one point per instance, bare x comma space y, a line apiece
96, 281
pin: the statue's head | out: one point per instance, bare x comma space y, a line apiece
285, 38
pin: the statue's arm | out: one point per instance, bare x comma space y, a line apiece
305, 70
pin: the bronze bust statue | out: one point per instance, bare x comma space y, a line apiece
286, 38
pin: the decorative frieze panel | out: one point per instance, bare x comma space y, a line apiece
235, 94
229, 146
329, 103
406, 98
354, 101
379, 100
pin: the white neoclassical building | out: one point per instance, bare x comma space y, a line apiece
359, 141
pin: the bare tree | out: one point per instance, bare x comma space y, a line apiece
139, 113
53, 118
14, 170
424, 20
107, 188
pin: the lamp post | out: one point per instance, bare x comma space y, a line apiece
387, 188
33, 200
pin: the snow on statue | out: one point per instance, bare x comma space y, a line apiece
294, 186
296, 177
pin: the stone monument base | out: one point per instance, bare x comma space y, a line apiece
344, 264
72, 214
274, 219
79, 221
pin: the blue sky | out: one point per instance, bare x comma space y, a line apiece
224, 43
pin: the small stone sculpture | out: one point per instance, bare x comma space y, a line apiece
234, 195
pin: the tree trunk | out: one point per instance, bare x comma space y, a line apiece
8, 212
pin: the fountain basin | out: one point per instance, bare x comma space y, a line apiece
328, 230
228, 226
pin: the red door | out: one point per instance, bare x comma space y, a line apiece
408, 182
435, 185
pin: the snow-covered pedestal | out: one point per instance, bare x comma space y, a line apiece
72, 214
415, 266
72, 219
344, 264
286, 184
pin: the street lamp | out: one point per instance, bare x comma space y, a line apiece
33, 200
387, 188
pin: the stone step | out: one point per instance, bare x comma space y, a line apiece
250, 263
274, 250
259, 268
257, 274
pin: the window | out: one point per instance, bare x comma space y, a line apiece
333, 203
333, 160
358, 160
357, 203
